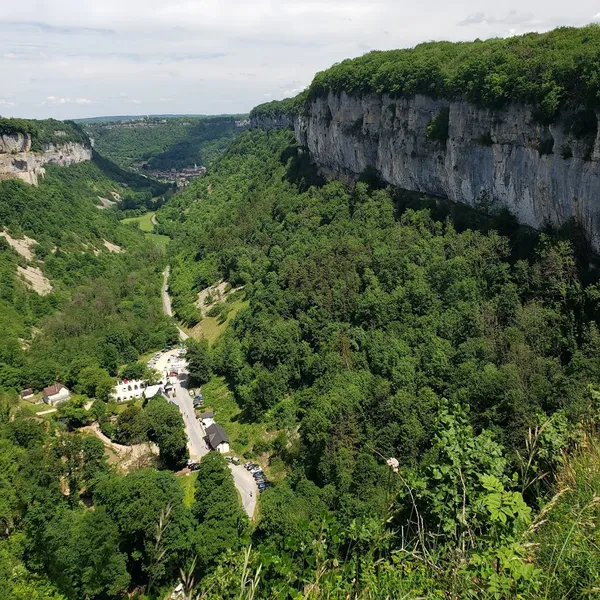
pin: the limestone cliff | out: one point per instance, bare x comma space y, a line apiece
489, 158
268, 122
17, 160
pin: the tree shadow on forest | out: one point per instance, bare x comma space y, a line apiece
300, 170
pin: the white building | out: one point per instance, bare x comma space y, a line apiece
207, 418
128, 389
27, 394
56, 393
153, 390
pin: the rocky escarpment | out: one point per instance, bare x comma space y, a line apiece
269, 122
485, 158
17, 160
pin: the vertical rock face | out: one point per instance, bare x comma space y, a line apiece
544, 174
267, 123
17, 161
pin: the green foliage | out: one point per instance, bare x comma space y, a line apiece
137, 503
222, 524
172, 143
565, 532
105, 309
81, 554
199, 361
366, 307
280, 108
44, 133
550, 71
131, 427
437, 130
166, 428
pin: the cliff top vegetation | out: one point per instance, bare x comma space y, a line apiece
551, 71
44, 132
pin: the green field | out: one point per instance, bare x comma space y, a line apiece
188, 483
210, 328
146, 225
145, 222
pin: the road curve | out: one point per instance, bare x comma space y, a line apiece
247, 488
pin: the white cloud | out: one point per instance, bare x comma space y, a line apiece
53, 100
215, 56
7, 104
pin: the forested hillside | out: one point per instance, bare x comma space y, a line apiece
170, 143
387, 327
98, 304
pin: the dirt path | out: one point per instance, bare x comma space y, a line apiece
128, 455
167, 302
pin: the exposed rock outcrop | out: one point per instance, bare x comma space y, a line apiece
18, 161
490, 158
267, 123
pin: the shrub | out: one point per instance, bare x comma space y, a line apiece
437, 130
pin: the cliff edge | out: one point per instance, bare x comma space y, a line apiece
26, 146
488, 124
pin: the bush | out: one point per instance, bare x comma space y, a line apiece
262, 446
437, 130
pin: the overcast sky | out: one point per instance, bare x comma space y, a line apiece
80, 58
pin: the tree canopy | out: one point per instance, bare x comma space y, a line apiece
550, 71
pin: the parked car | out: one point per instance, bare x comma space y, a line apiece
258, 474
236, 460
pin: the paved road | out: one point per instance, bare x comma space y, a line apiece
247, 488
183, 400
244, 481
167, 302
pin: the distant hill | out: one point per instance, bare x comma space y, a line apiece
117, 118
164, 142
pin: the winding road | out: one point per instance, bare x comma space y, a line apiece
244, 482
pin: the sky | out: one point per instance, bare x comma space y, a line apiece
82, 58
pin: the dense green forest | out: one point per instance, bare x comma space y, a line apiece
104, 307
167, 143
386, 326
44, 132
551, 71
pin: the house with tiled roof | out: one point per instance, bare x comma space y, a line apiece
56, 393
